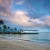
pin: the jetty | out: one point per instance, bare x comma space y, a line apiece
29, 31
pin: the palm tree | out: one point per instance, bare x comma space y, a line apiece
15, 29
0, 29
1, 23
8, 28
11, 30
4, 28
21, 30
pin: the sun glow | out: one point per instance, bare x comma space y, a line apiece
19, 13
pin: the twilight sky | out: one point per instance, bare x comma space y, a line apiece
33, 14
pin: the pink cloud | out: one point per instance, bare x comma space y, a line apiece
20, 2
6, 5
47, 20
20, 17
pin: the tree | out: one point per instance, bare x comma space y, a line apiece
1, 23
15, 29
4, 28
0, 29
11, 30
21, 30
8, 27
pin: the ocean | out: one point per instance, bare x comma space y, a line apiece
41, 37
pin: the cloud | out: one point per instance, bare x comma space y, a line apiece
47, 20
38, 22
6, 3
5, 6
20, 17
19, 2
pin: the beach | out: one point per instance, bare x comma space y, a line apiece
22, 45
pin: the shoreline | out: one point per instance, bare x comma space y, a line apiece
25, 45
27, 41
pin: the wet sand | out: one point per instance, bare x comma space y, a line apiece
22, 45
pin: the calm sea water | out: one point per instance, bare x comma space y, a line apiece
41, 37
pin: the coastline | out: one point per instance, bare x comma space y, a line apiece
22, 45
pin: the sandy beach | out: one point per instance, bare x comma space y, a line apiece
22, 45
